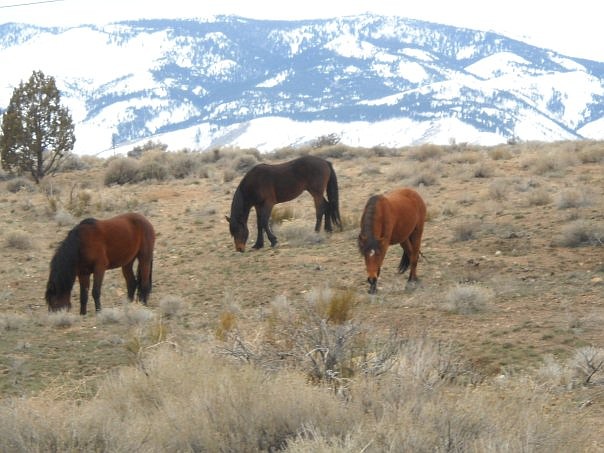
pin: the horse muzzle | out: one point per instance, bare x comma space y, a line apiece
372, 285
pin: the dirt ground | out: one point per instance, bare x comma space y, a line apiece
543, 297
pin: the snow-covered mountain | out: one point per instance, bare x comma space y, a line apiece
371, 80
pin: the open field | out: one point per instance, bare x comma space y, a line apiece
510, 302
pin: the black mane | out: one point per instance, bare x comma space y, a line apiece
238, 210
64, 262
370, 242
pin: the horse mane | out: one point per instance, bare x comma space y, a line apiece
237, 206
370, 242
64, 262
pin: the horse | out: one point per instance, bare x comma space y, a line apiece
395, 217
92, 247
265, 185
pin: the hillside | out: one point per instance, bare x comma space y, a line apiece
232, 81
511, 287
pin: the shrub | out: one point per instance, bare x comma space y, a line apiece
62, 319
64, 218
20, 184
573, 198
171, 306
500, 153
426, 152
244, 163
281, 214
184, 164
73, 162
580, 233
467, 299
18, 240
588, 363
12, 321
465, 230
498, 189
483, 170
153, 166
122, 170
111, 315
538, 197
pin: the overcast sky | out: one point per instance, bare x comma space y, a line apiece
572, 28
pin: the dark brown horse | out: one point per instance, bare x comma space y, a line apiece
394, 218
94, 246
266, 185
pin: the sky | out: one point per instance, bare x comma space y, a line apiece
572, 28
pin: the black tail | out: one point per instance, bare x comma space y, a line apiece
404, 264
333, 204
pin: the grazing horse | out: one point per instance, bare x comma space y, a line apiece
393, 218
266, 185
94, 246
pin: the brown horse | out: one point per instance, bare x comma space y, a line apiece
394, 218
94, 246
266, 185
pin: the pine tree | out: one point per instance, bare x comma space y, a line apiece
37, 131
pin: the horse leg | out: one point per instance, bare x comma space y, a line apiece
260, 237
130, 279
415, 242
84, 280
321, 211
99, 273
145, 264
265, 217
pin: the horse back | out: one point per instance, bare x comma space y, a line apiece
408, 212
283, 182
116, 241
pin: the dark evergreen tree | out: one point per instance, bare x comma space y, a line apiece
37, 131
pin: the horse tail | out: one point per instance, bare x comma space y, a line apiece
333, 204
147, 254
404, 264
63, 265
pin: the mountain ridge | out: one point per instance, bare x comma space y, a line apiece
195, 82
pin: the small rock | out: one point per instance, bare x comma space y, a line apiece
498, 253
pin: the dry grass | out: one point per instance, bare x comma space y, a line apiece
496, 349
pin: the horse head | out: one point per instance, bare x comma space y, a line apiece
374, 253
240, 233
57, 300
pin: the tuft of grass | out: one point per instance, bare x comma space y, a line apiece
171, 306
465, 230
426, 152
137, 315
467, 299
20, 184
226, 324
573, 198
282, 213
62, 319
111, 316
12, 321
339, 307
19, 241
538, 197
588, 364
580, 233
498, 189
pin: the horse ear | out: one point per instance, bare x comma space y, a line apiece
228, 219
